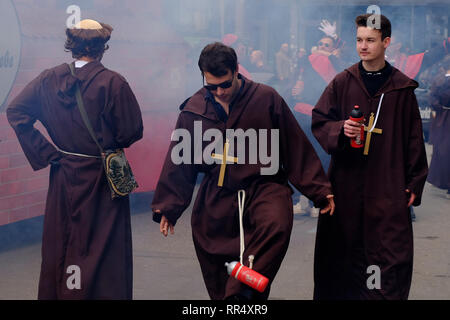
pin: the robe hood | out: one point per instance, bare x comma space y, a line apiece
66, 82
396, 81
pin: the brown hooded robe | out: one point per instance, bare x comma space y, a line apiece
268, 204
83, 227
371, 225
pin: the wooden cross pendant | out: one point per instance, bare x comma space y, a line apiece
224, 157
369, 134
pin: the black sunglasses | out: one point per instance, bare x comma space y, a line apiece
213, 87
323, 44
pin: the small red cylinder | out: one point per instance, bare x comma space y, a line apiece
357, 116
248, 276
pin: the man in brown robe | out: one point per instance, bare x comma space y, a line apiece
86, 246
231, 102
365, 250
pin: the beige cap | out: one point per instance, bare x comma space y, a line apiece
88, 24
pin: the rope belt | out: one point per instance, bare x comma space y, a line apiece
241, 199
78, 154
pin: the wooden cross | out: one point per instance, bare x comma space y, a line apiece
369, 134
224, 157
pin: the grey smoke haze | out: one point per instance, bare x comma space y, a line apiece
156, 44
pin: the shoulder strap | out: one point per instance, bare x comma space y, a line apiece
84, 115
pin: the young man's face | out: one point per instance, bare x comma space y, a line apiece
223, 94
369, 45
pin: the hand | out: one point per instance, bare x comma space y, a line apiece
412, 197
336, 52
328, 28
352, 128
165, 226
330, 206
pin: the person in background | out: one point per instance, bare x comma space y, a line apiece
283, 66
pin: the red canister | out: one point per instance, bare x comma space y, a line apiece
357, 116
246, 275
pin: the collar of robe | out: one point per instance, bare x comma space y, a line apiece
396, 81
88, 71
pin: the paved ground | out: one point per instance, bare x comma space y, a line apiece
166, 268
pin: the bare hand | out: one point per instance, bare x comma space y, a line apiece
336, 52
352, 128
165, 226
330, 206
412, 197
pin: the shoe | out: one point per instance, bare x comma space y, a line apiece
298, 208
314, 212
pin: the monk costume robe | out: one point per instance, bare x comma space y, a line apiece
83, 227
371, 227
439, 175
268, 213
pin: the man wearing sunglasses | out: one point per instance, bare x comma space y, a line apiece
315, 71
229, 101
311, 76
325, 45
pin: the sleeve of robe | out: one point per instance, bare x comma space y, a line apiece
22, 113
299, 158
176, 183
327, 125
416, 159
124, 116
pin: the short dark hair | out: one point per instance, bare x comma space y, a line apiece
88, 43
385, 24
217, 58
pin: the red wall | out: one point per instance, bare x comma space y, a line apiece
149, 61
